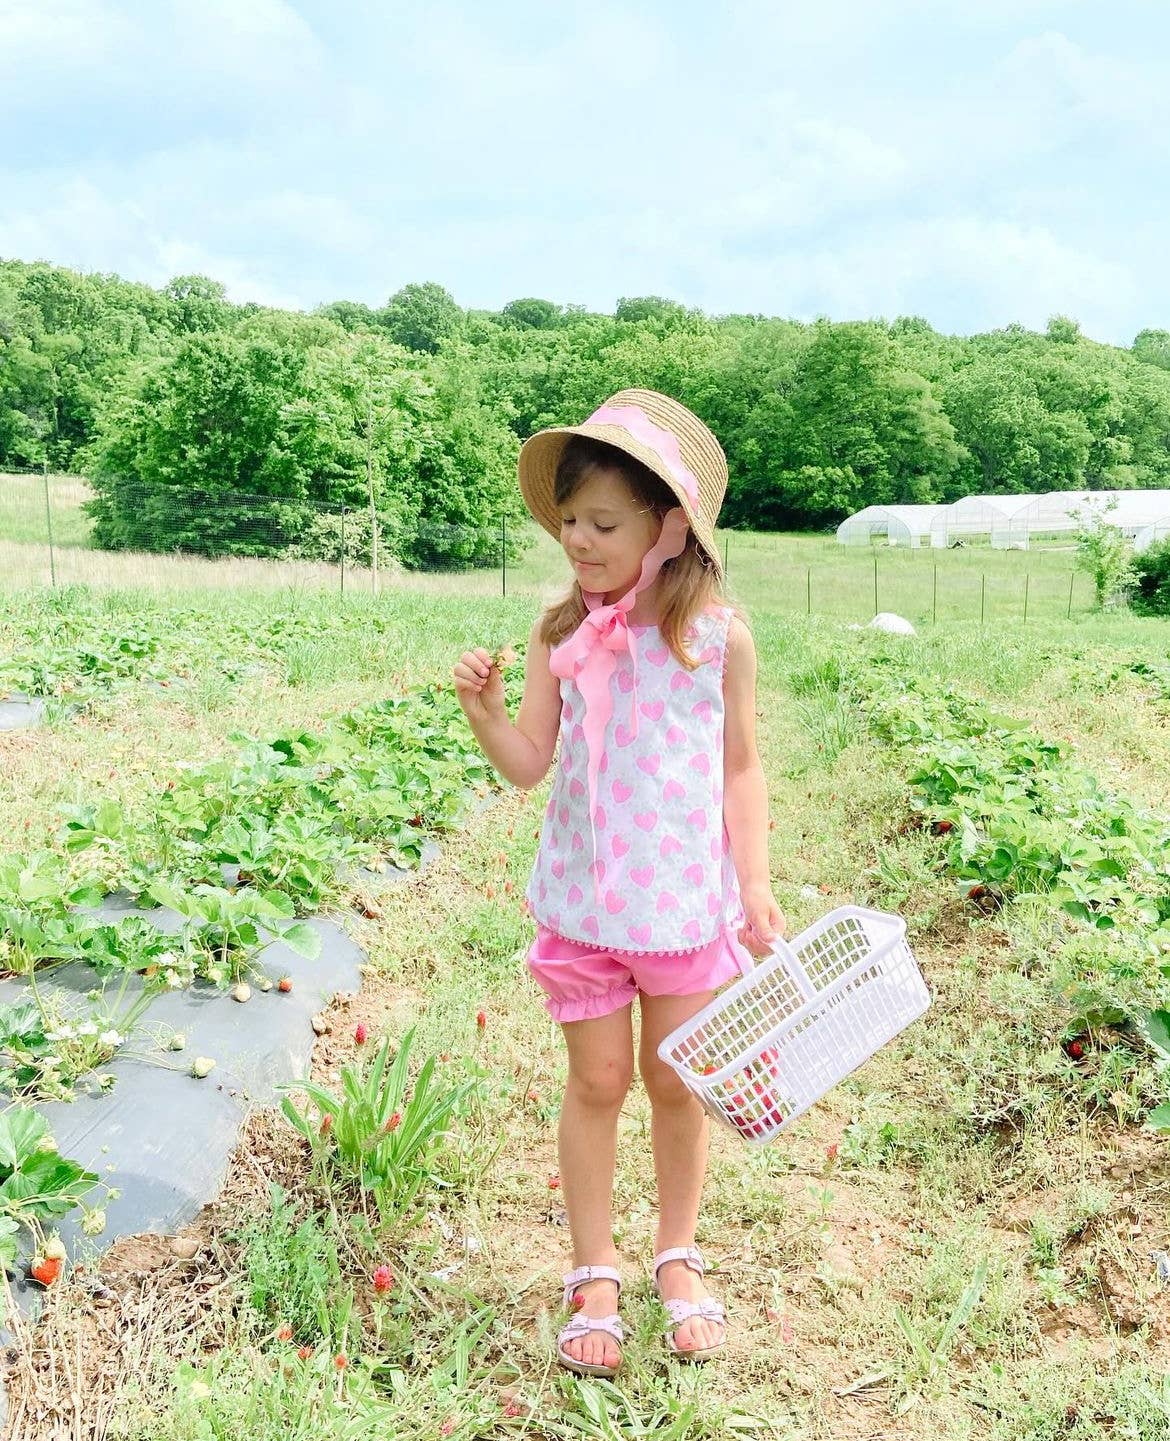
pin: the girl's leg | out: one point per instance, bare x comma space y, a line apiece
601, 1067
678, 1132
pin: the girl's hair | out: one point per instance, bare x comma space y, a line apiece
688, 583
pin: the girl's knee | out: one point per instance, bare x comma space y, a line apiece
663, 1085
602, 1084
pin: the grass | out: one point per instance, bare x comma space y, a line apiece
972, 1261
788, 574
25, 518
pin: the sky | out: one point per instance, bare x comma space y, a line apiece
976, 163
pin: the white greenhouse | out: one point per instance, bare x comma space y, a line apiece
1150, 534
975, 517
899, 524
1060, 513
1011, 522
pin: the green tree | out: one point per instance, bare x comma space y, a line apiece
421, 317
1153, 347
852, 428
1104, 552
532, 314
198, 304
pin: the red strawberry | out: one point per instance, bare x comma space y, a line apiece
45, 1269
326, 1124
383, 1278
554, 1183
284, 1333
304, 1352
394, 1122
513, 1408
481, 1019
1076, 1050
360, 1033
341, 1361
284, 985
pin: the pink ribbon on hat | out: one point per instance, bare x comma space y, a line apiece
590, 655
664, 443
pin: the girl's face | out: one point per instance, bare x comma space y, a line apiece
606, 532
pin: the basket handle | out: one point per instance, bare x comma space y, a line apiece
784, 952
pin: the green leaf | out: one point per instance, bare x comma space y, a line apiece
21, 1129
303, 939
1156, 1025
1159, 1118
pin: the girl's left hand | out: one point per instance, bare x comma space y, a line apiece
764, 921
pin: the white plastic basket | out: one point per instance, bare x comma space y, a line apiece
773, 1043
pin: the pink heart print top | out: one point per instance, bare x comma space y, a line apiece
651, 869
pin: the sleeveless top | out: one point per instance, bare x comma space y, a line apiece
651, 870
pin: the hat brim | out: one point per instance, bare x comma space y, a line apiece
537, 468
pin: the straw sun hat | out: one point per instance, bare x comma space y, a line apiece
654, 429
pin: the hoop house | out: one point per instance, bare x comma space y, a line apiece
1150, 534
1060, 512
900, 524
975, 517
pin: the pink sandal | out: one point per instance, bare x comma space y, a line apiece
587, 1325
679, 1311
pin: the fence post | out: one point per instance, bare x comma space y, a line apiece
1027, 578
373, 506
875, 590
343, 550
1071, 579
934, 598
49, 524
808, 591
503, 555
982, 597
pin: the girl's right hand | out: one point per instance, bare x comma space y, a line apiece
479, 685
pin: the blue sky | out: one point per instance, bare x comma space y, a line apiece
976, 163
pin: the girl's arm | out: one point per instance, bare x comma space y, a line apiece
745, 794
521, 752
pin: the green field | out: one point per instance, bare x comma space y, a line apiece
972, 1259
786, 574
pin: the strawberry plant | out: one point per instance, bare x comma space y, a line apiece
232, 927
37, 1185
1024, 821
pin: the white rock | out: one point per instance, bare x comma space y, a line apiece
892, 624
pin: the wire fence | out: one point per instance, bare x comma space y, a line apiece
55, 531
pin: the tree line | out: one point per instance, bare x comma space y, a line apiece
179, 405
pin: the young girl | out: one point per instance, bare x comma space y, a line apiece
651, 877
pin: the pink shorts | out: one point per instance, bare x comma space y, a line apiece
585, 981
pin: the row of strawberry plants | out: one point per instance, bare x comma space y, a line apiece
239, 848
1019, 821
285, 815
77, 646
